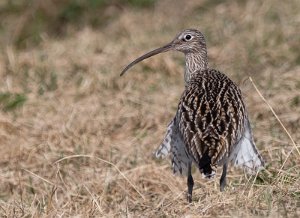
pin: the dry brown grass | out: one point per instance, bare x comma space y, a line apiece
82, 143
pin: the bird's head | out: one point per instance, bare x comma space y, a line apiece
187, 41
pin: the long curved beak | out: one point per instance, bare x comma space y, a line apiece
165, 48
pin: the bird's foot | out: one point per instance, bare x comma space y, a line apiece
189, 198
222, 185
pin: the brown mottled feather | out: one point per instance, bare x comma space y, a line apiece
211, 126
211, 116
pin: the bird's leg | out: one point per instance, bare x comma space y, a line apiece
223, 178
190, 183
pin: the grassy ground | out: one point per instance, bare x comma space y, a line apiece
78, 140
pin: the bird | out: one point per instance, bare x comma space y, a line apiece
211, 127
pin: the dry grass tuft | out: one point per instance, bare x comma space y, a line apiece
77, 140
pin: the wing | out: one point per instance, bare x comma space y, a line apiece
212, 116
245, 154
165, 147
173, 144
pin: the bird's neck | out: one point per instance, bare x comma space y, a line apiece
194, 63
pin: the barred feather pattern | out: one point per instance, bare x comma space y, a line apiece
211, 127
212, 120
173, 144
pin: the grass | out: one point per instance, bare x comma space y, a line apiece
10, 101
78, 140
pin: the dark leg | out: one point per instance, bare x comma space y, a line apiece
223, 178
190, 183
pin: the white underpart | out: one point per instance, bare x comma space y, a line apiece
246, 154
210, 176
173, 144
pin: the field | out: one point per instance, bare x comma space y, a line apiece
77, 140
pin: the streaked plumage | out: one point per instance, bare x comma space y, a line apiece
211, 126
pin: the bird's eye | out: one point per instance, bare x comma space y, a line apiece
187, 37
